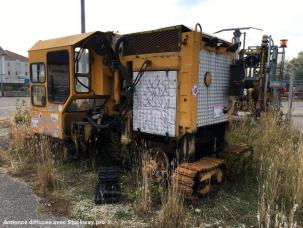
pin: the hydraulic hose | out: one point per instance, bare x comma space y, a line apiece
130, 85
118, 63
99, 126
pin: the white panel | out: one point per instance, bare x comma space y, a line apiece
212, 99
154, 107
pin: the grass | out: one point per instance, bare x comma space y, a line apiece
173, 212
34, 159
46, 167
143, 202
67, 187
263, 189
277, 164
231, 204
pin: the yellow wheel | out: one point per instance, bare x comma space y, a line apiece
205, 187
158, 165
219, 176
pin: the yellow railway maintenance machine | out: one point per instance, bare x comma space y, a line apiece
166, 87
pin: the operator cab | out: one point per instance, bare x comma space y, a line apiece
70, 76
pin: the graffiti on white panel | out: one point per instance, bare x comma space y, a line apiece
157, 94
155, 103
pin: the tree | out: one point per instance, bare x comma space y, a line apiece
298, 64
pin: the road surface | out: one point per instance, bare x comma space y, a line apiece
8, 104
296, 112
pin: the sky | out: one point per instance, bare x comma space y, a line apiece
24, 22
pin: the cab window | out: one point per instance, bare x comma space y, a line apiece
58, 76
38, 95
82, 70
37, 73
37, 76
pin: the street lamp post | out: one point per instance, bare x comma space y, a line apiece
291, 88
82, 16
2, 54
290, 94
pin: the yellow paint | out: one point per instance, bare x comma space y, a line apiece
186, 62
60, 42
117, 96
43, 120
106, 82
160, 61
188, 78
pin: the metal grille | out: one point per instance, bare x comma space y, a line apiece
152, 42
213, 99
154, 108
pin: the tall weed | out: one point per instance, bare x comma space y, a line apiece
277, 166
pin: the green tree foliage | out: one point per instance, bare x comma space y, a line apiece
298, 64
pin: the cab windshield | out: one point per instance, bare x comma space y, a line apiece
86, 104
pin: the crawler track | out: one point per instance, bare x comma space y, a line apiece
196, 177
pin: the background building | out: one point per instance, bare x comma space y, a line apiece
16, 68
14, 72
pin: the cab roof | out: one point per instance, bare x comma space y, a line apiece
75, 39
61, 42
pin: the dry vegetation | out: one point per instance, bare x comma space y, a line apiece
159, 205
35, 159
143, 203
264, 189
173, 212
277, 164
